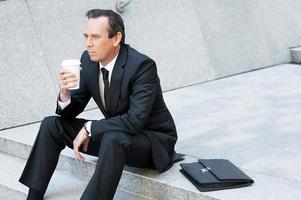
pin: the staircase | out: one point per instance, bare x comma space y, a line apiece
252, 119
71, 176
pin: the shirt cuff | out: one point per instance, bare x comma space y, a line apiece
64, 104
88, 127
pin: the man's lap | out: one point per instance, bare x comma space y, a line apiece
139, 145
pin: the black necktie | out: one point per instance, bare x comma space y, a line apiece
105, 77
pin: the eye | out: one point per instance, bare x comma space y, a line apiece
96, 36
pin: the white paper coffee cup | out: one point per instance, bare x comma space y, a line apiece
73, 65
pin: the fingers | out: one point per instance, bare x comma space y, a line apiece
81, 139
77, 155
64, 74
68, 84
66, 71
76, 146
67, 79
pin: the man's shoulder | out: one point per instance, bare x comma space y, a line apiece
137, 57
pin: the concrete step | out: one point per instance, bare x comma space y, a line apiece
10, 193
61, 187
296, 54
252, 119
143, 183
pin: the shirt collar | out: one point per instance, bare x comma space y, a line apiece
110, 65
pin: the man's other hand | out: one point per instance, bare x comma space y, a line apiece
82, 138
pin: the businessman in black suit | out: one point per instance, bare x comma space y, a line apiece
138, 130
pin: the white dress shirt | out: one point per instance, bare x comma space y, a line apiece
109, 67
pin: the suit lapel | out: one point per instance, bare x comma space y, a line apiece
116, 77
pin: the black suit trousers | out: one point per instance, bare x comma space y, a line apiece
114, 149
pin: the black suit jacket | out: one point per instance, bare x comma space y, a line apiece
136, 104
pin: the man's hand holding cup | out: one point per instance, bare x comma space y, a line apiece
69, 78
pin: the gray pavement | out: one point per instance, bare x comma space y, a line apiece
252, 119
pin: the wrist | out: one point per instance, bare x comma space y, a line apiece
86, 131
64, 95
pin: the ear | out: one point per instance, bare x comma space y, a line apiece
117, 39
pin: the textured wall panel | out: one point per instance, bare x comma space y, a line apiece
26, 90
192, 41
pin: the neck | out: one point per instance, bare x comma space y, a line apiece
111, 56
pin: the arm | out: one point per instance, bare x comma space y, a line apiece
78, 99
144, 86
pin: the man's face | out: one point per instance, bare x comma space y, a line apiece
100, 47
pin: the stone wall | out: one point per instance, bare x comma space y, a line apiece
192, 41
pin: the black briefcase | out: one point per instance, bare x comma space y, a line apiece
215, 174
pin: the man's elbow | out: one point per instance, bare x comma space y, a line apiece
136, 123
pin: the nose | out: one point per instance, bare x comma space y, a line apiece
89, 42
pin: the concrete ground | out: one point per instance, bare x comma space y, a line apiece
252, 119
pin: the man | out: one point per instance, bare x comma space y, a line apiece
138, 129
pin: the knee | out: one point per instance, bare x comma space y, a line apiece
115, 139
49, 122
50, 126
51, 129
